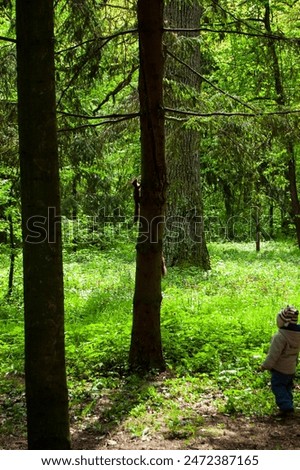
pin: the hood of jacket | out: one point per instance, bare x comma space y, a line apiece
292, 337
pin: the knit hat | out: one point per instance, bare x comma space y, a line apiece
288, 315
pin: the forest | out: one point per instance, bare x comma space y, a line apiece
149, 221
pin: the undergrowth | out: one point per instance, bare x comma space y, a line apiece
216, 329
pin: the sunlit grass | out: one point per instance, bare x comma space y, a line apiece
216, 329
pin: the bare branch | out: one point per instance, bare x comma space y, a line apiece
4, 38
118, 88
230, 31
104, 116
85, 126
110, 5
222, 113
209, 82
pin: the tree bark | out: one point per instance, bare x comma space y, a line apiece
12, 256
45, 375
146, 347
185, 237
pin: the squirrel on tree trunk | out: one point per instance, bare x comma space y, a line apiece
137, 198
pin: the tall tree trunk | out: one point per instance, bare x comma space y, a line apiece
229, 210
74, 212
185, 237
12, 256
281, 101
46, 389
146, 348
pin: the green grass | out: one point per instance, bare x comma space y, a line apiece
216, 329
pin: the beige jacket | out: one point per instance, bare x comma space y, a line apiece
283, 352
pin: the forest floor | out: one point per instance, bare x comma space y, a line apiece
218, 432
212, 398
213, 430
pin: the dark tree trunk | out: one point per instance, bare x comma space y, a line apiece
228, 202
146, 348
257, 229
185, 237
74, 212
46, 389
271, 219
12, 256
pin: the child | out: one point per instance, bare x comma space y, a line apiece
282, 358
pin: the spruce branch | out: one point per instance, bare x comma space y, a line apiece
105, 39
234, 98
79, 69
118, 88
